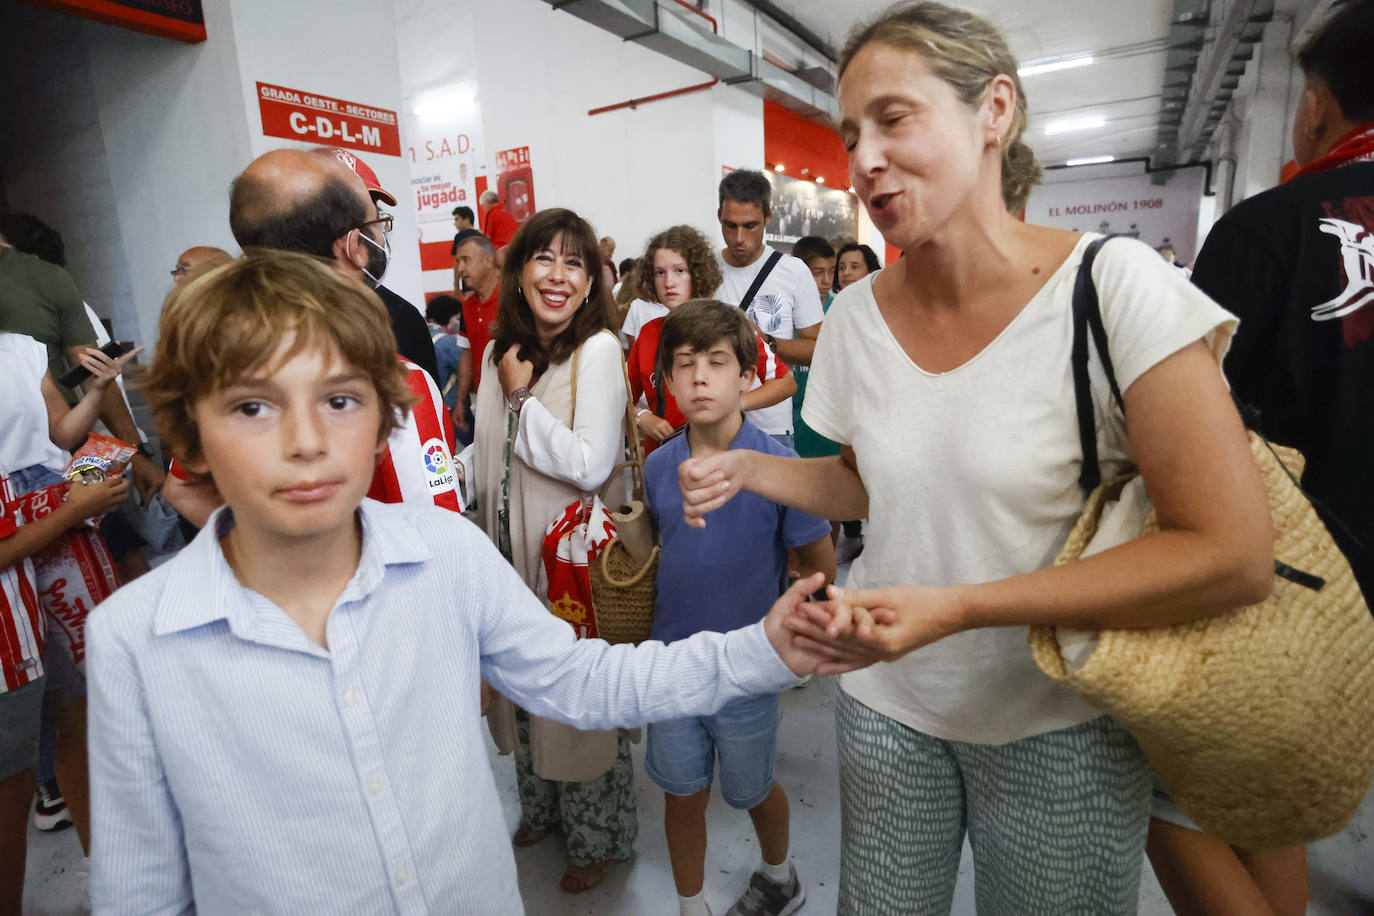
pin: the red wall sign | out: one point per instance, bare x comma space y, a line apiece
182, 20
298, 115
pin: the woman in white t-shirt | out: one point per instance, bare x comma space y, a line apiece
947, 379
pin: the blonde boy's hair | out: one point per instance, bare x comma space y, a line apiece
224, 323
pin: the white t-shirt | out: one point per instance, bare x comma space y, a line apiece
786, 301
641, 312
23, 412
972, 474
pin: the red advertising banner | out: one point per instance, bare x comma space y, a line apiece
515, 182
297, 115
182, 20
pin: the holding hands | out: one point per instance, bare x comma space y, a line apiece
864, 626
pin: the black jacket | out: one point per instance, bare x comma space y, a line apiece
1296, 264
412, 334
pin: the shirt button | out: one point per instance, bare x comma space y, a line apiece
402, 876
350, 698
375, 787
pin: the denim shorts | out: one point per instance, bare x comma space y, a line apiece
20, 714
743, 733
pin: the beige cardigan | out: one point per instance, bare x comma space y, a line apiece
558, 751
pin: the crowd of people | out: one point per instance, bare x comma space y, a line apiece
351, 541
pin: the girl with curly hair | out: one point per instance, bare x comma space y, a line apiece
678, 265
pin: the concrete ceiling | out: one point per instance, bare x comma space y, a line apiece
1123, 87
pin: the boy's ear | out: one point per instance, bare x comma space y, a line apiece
746, 379
197, 466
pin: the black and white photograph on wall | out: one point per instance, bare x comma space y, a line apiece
806, 208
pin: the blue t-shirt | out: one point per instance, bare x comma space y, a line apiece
728, 574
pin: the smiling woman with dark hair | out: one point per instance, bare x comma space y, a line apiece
549, 415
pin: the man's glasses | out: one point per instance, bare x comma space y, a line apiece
385, 221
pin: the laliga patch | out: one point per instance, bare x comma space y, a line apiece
439, 473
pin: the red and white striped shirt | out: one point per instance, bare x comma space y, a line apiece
418, 464
21, 619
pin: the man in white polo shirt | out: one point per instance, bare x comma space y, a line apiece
776, 291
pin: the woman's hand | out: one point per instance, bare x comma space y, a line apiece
653, 426
878, 624
513, 372
91, 499
102, 368
709, 483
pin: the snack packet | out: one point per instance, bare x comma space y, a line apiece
101, 458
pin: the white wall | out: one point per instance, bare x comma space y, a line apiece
340, 48
630, 172
1080, 199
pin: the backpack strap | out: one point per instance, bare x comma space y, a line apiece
1087, 321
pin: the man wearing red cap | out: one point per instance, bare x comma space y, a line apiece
324, 202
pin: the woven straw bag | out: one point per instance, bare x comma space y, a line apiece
1258, 721
624, 576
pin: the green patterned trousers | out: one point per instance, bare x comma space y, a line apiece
1056, 821
598, 817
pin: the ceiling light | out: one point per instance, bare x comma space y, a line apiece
820, 179
1091, 160
851, 190
1050, 66
1068, 126
779, 168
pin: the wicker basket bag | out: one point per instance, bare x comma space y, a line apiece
625, 574
1259, 721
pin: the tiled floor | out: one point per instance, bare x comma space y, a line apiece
1342, 868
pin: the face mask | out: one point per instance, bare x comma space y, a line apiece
377, 258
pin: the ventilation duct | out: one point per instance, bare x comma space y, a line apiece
647, 23
1202, 76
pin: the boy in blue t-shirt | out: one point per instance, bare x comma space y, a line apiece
718, 578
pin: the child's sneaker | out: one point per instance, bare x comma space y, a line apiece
768, 898
50, 808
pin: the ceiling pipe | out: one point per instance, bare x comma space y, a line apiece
657, 97
715, 26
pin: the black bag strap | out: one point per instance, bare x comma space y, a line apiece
761, 276
1087, 320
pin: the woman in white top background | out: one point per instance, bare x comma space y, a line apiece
946, 377
552, 318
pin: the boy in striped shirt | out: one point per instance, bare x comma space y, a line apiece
285, 717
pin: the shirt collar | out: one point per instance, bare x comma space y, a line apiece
201, 573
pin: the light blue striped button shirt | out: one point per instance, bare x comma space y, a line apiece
238, 767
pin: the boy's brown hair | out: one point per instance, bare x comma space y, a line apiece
225, 322
701, 324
